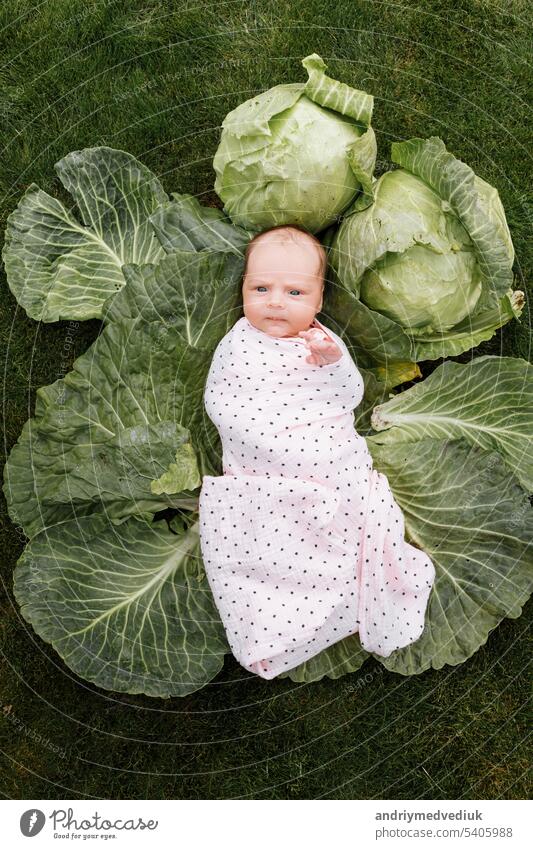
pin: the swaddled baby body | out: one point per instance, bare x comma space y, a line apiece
302, 541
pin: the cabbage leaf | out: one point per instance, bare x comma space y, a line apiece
63, 264
128, 608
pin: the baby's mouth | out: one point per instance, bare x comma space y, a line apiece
274, 318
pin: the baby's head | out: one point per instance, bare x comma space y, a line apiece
283, 280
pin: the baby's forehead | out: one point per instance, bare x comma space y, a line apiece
279, 239
275, 241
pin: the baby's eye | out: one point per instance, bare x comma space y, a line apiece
297, 291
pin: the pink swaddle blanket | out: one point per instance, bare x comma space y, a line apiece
302, 540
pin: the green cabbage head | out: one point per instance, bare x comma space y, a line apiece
430, 261
297, 153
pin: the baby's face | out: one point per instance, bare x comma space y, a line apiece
282, 290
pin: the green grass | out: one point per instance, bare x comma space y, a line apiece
156, 79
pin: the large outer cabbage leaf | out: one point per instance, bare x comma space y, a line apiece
129, 410
62, 265
297, 153
184, 224
464, 508
488, 402
198, 294
127, 607
426, 271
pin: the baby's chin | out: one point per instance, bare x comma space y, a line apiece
278, 328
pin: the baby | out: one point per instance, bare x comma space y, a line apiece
301, 538
283, 288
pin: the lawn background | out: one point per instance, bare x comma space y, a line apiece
156, 79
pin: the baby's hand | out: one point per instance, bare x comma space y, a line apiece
323, 351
